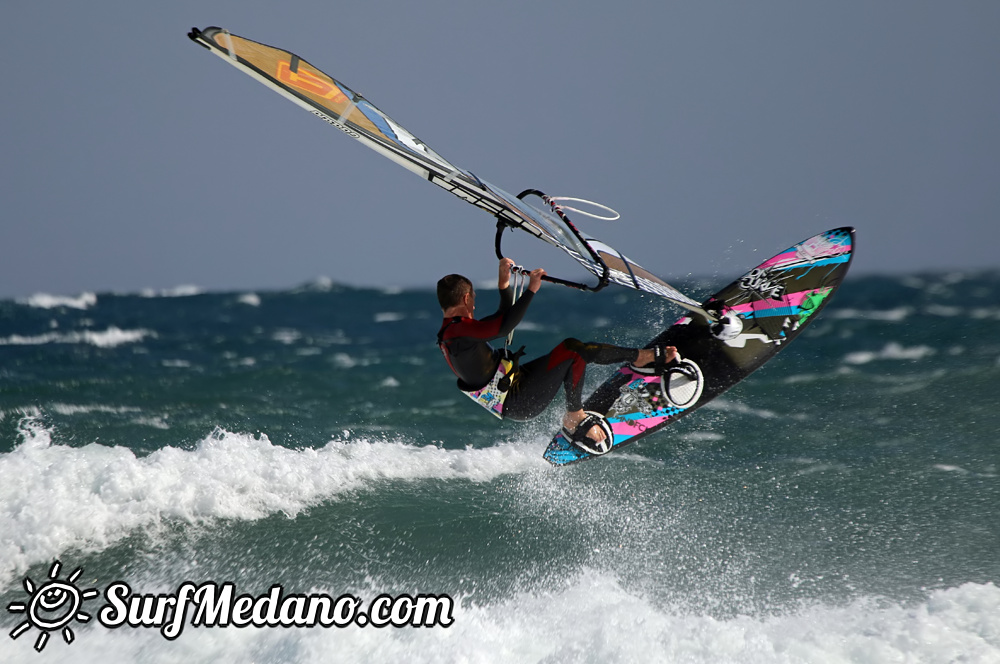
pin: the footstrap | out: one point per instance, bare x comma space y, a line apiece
660, 363
578, 436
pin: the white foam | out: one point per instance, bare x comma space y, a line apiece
943, 310
389, 317
344, 361
251, 299
286, 336
951, 469
177, 291
109, 338
157, 422
891, 351
46, 301
726, 405
960, 624
703, 436
985, 313
320, 284
529, 326
989, 471
887, 315
808, 466
53, 497
78, 409
802, 378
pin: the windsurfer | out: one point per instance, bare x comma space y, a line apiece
531, 386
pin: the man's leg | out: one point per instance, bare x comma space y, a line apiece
539, 380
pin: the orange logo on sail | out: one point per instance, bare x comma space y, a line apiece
311, 83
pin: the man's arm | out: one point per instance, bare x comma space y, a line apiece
506, 291
503, 280
510, 313
505, 319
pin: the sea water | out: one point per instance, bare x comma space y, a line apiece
840, 505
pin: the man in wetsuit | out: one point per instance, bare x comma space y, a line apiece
464, 341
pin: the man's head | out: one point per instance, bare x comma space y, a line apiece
452, 289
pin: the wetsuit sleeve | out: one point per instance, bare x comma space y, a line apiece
506, 298
506, 302
495, 325
506, 318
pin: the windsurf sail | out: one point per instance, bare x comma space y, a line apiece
345, 109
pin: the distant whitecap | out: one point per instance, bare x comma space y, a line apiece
46, 301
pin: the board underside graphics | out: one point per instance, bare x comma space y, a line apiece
774, 302
341, 107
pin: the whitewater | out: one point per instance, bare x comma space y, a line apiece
838, 506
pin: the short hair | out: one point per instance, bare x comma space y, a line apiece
451, 289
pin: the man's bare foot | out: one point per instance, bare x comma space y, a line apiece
572, 419
648, 355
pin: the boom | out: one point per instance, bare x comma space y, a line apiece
340, 106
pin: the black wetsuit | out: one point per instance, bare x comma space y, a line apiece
465, 344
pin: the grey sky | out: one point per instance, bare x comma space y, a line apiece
722, 131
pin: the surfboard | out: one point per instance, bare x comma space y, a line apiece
760, 314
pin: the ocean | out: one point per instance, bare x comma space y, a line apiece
839, 505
